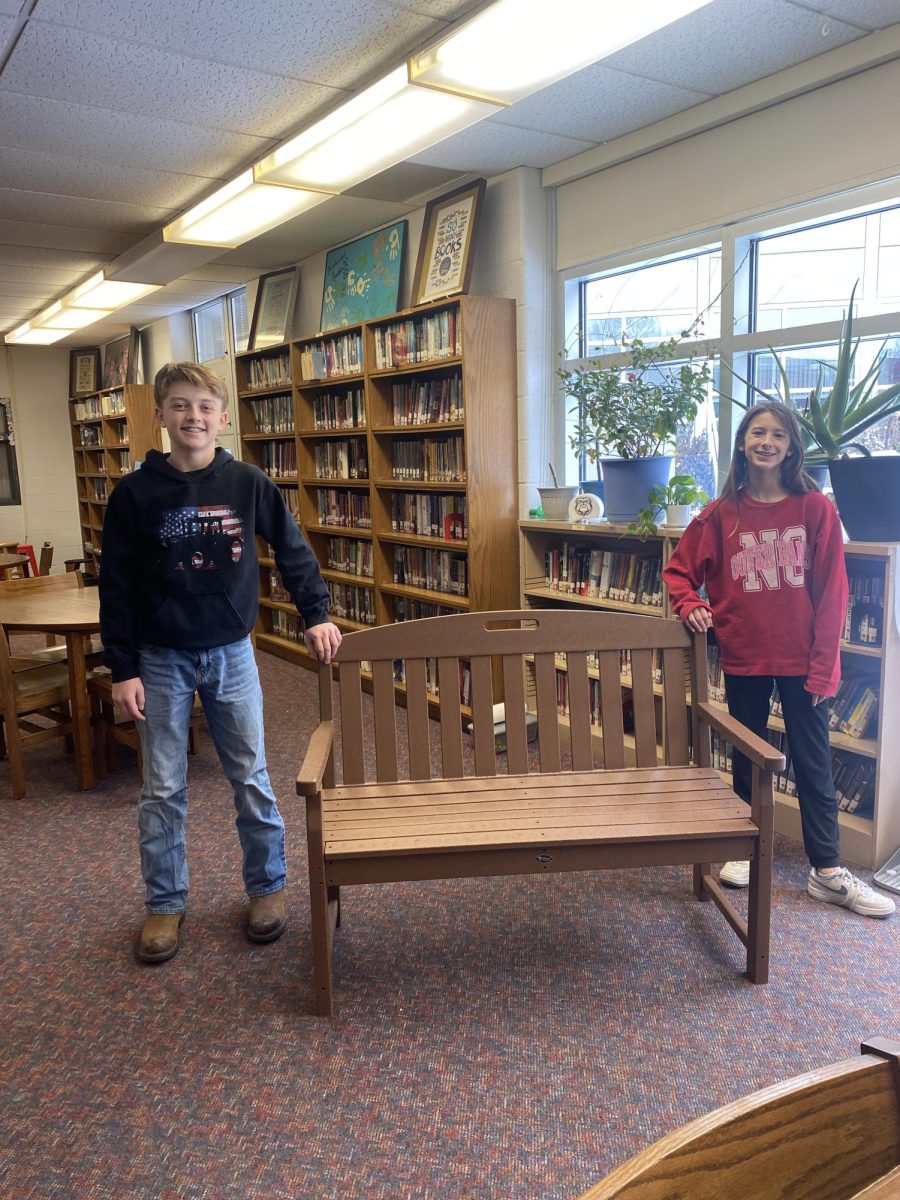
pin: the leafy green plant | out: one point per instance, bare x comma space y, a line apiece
634, 411
681, 489
835, 416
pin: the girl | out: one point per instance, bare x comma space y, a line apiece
769, 551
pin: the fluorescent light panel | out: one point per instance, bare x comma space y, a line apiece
382, 126
517, 47
58, 316
27, 335
237, 212
98, 292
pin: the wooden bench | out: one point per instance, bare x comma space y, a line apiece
831, 1134
621, 802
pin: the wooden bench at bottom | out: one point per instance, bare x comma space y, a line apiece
440, 823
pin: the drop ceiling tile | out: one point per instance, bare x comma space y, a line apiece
7, 25
489, 148
93, 214
44, 276
343, 42
157, 83
63, 262
778, 34
869, 14
38, 171
62, 127
105, 243
597, 105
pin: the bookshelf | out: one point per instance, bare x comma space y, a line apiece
866, 760
112, 429
400, 463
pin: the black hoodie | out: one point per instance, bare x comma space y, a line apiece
179, 565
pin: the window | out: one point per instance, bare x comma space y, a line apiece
789, 289
9, 472
240, 322
210, 334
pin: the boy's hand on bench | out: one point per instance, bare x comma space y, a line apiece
323, 640
128, 698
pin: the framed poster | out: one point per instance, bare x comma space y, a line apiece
444, 265
273, 308
362, 278
84, 372
115, 362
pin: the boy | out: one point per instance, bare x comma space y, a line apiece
178, 597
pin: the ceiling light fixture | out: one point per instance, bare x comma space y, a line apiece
27, 335
59, 316
381, 126
98, 292
237, 212
517, 47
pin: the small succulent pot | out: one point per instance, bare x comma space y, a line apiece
678, 515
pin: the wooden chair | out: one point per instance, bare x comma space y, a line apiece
42, 691
45, 562
831, 1134
109, 728
651, 800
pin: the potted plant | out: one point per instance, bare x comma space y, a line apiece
676, 499
837, 412
627, 417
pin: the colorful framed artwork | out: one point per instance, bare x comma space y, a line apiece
362, 278
84, 372
273, 309
444, 265
115, 362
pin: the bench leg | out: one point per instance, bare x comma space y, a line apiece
322, 935
701, 869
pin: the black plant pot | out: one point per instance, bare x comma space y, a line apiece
867, 494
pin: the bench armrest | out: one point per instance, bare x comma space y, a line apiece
316, 760
757, 749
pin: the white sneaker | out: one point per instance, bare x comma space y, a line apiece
735, 874
849, 892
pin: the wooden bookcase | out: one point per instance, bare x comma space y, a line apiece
111, 430
399, 463
866, 840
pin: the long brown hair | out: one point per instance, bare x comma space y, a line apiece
794, 478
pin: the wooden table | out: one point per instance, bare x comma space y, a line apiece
71, 613
20, 561
885, 1188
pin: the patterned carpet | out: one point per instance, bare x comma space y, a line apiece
494, 1038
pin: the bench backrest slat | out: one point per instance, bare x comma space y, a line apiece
541, 662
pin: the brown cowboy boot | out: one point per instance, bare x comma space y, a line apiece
266, 917
160, 937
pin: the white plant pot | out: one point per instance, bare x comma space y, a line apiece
555, 502
678, 515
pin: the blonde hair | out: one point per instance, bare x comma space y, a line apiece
192, 373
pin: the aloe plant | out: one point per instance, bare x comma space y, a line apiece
834, 420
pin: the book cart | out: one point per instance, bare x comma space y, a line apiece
394, 444
111, 431
556, 570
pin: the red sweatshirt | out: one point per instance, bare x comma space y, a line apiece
776, 582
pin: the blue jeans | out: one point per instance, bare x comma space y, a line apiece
227, 680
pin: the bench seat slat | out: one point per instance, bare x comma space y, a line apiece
494, 839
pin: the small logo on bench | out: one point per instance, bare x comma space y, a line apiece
544, 858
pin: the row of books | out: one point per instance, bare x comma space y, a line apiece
269, 372
853, 775
291, 496
714, 672
420, 401
351, 602
624, 670
287, 625
89, 435
604, 574
405, 608
864, 622
100, 488
429, 514
431, 679
440, 459
121, 460
436, 570
111, 404
428, 338
340, 410
343, 507
273, 414
279, 459
351, 555
332, 357
854, 709
342, 459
